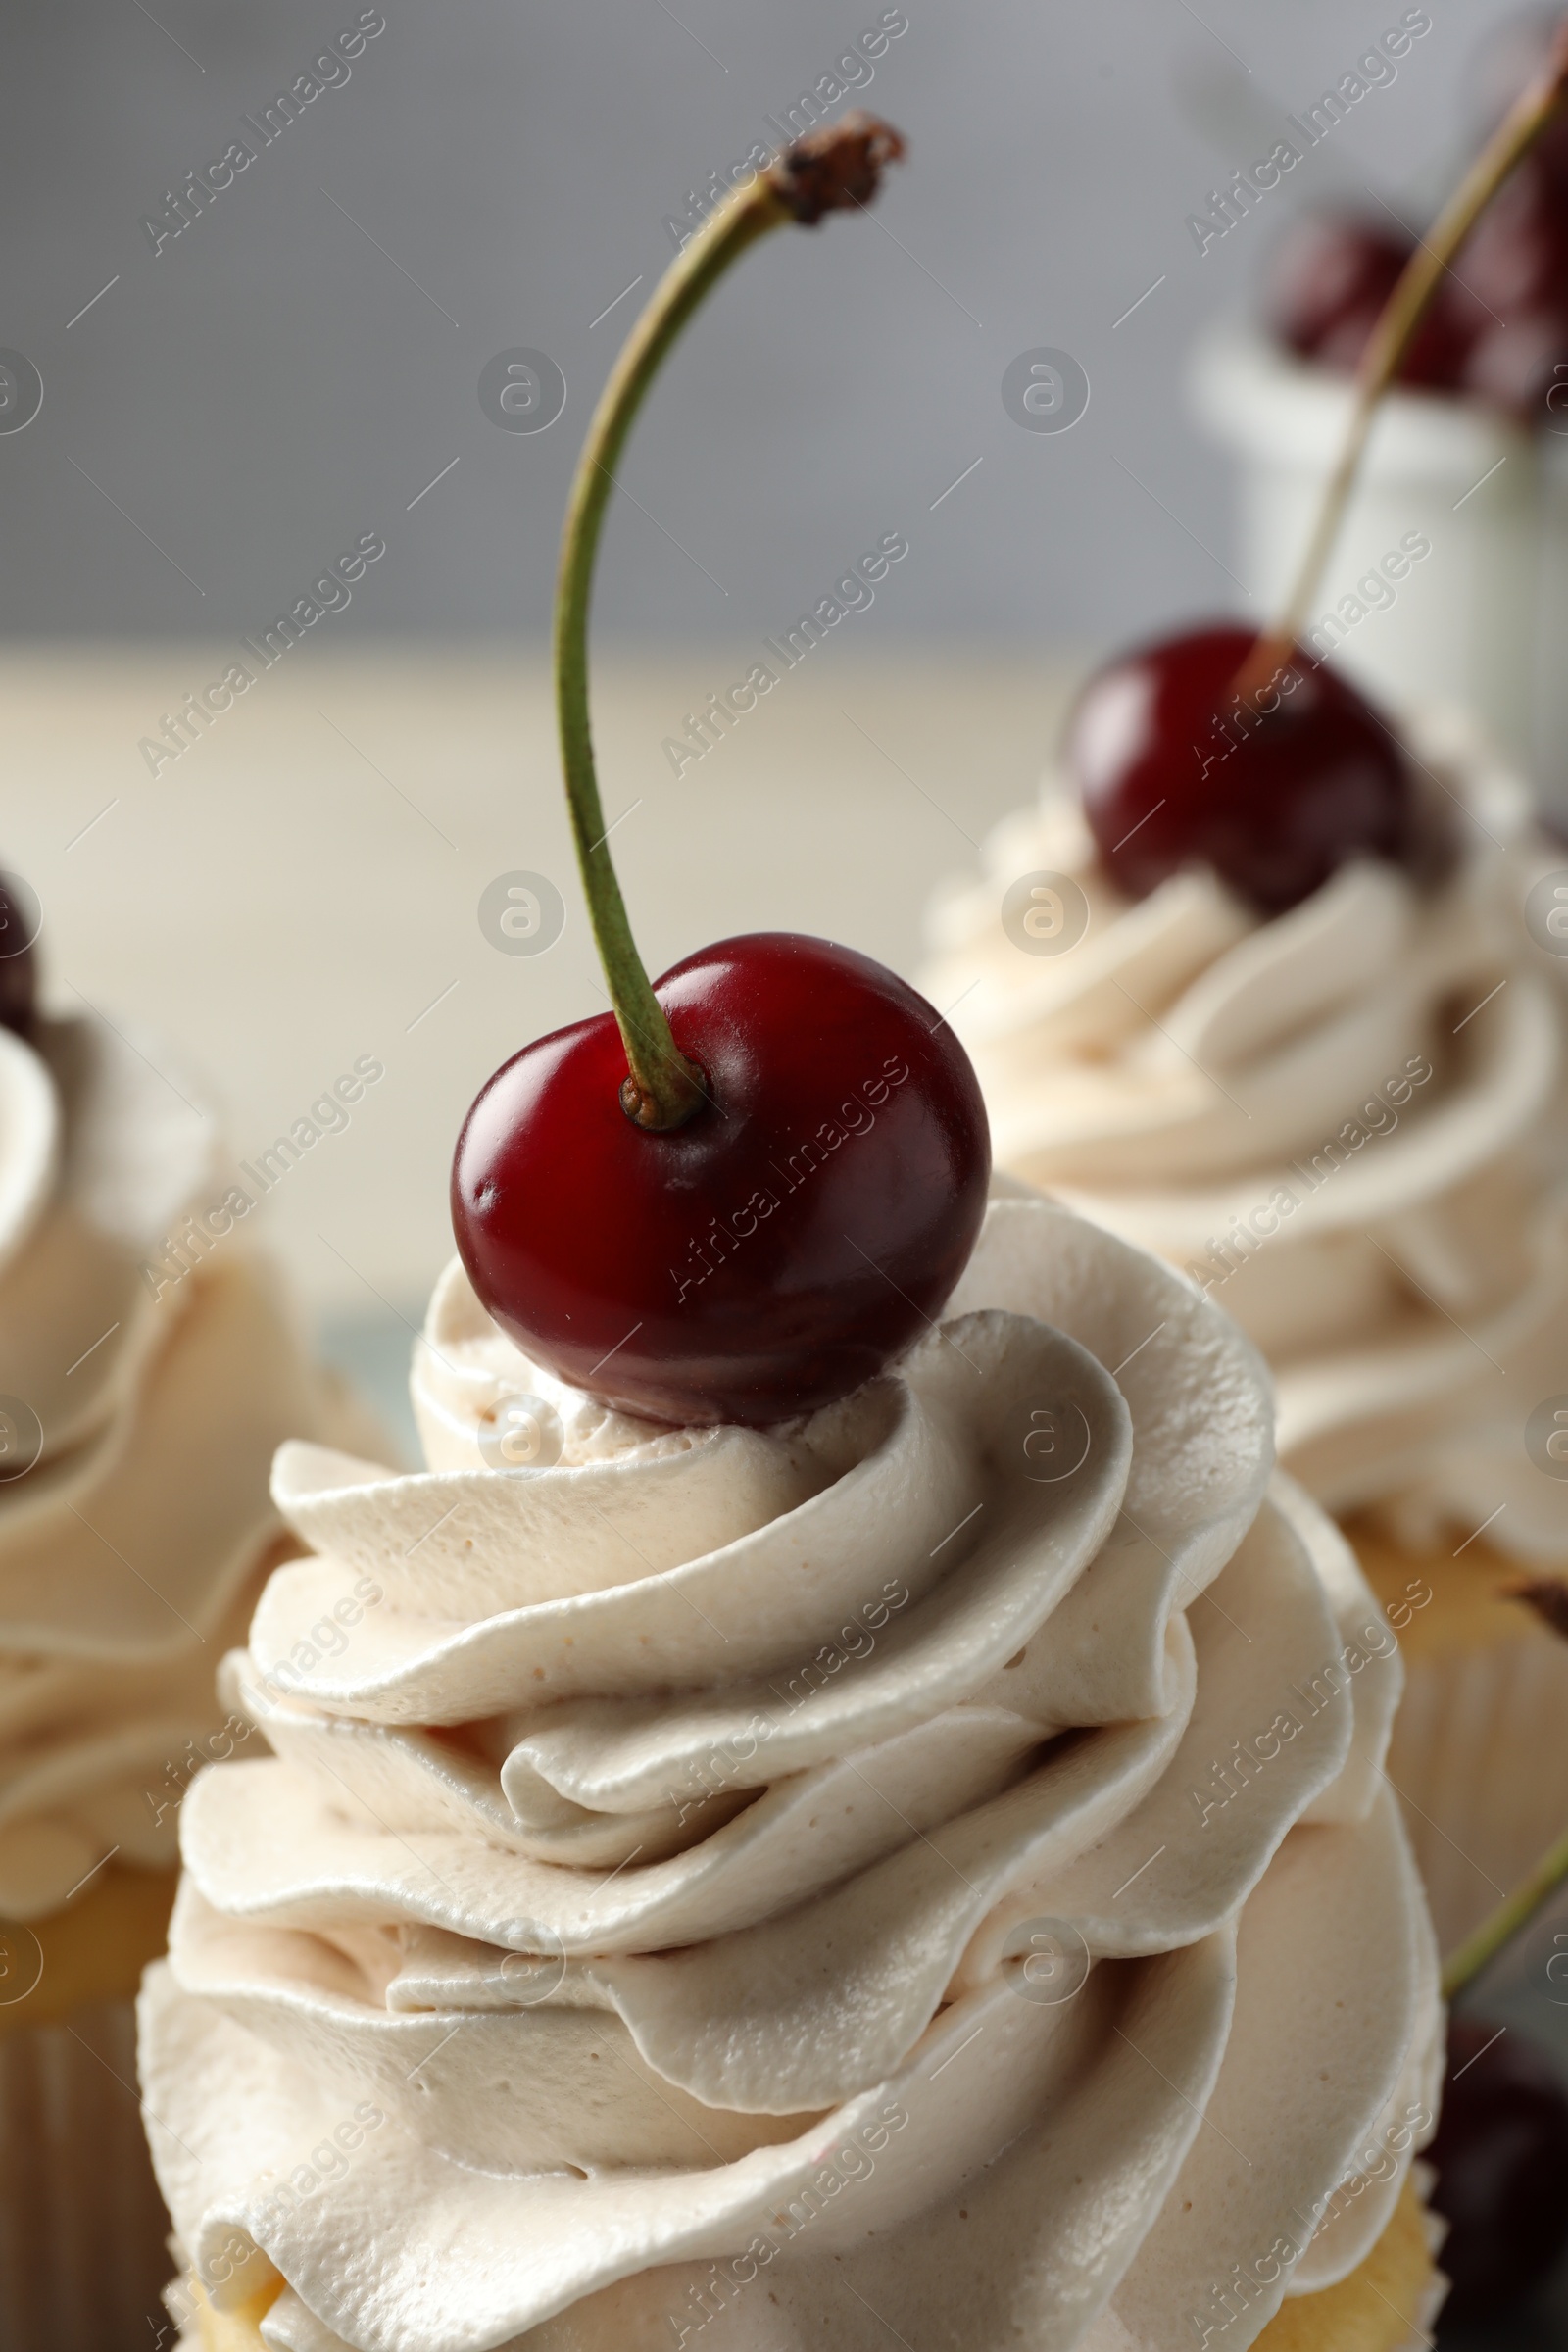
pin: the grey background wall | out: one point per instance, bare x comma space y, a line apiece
294, 367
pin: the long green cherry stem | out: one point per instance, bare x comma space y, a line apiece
834, 167
1389, 340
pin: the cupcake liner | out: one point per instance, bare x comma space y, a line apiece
1423, 2181
1480, 1758
1480, 1749
83, 2233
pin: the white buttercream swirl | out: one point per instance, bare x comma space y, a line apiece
1339, 1122
129, 1550
927, 1867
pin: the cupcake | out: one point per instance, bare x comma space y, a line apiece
146, 1376
845, 1800
1338, 1123
1277, 1017
891, 1875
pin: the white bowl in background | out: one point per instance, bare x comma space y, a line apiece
1481, 617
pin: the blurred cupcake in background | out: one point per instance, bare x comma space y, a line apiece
1339, 1121
147, 1372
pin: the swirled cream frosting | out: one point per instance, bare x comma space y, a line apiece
142, 1394
922, 1873
1339, 1123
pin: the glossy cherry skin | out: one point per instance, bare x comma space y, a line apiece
1173, 773
19, 970
1501, 2160
775, 1252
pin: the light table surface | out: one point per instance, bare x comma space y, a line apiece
300, 888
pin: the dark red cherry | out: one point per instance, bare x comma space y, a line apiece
19, 963
1175, 772
1442, 345
1496, 329
1333, 274
776, 1250
1501, 2160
